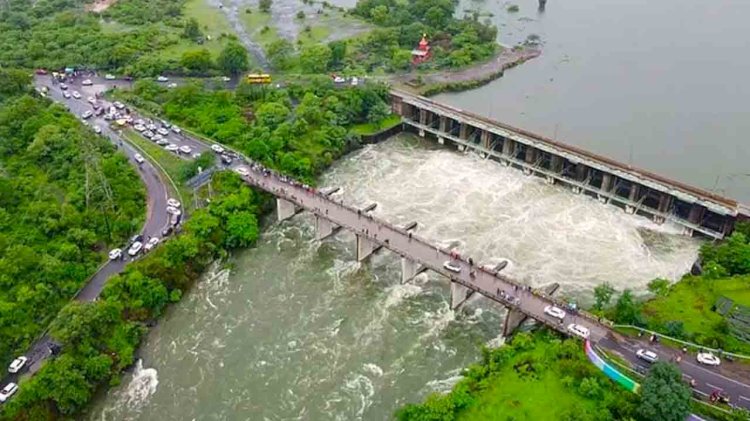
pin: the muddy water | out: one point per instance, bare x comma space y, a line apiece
299, 330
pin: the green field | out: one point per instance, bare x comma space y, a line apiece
690, 302
372, 128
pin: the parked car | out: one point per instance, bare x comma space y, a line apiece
97, 130
87, 114
135, 248
708, 358
226, 160
119, 105
173, 203
152, 242
162, 142
76, 95
136, 238
578, 330
87, 82
339, 79
163, 131
555, 312
152, 127
242, 171
646, 355
173, 210
217, 149
157, 137
453, 267
176, 129
166, 231
138, 158
8, 391
139, 127
91, 100
355, 81
162, 79
17, 364
109, 76
172, 147
63, 86
226, 78
148, 134
66, 94
185, 149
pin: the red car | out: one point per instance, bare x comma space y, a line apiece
41, 72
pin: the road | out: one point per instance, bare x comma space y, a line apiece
156, 219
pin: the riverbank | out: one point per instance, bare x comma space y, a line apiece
468, 78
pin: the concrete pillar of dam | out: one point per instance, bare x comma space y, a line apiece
635, 190
410, 269
422, 117
556, 164
397, 105
665, 202
514, 318
509, 147
443, 123
696, 214
284, 209
486, 139
459, 294
324, 228
530, 155
365, 247
606, 182
463, 131
582, 173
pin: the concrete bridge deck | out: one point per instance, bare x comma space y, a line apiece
373, 233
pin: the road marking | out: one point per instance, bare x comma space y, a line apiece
687, 375
699, 392
714, 387
742, 397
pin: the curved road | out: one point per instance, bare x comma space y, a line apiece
156, 220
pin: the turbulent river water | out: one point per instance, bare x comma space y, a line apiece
298, 329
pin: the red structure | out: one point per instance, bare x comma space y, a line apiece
422, 53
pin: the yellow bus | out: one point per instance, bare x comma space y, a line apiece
259, 78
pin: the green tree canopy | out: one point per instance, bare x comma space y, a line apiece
233, 58
602, 295
664, 396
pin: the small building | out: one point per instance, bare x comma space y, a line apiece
422, 52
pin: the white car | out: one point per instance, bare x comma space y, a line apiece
452, 266
87, 114
97, 130
162, 79
76, 95
176, 129
63, 86
151, 243
173, 203
173, 210
109, 76
708, 358
152, 127
172, 147
115, 254
119, 105
185, 149
91, 99
162, 131
578, 330
8, 391
139, 158
135, 248
555, 312
217, 149
17, 365
87, 82
162, 142
140, 122
139, 127
148, 134
339, 79
646, 355
355, 81
172, 85
66, 94
226, 78
157, 137
242, 171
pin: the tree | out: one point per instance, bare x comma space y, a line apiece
280, 53
233, 58
197, 61
265, 6
626, 309
192, 31
401, 59
664, 396
602, 295
315, 58
13, 82
338, 53
242, 229
659, 287
271, 114
378, 112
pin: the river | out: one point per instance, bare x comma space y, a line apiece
659, 84
299, 330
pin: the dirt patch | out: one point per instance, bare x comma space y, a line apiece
99, 6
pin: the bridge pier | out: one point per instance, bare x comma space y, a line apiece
485, 138
285, 209
365, 247
459, 294
514, 318
509, 147
324, 228
410, 269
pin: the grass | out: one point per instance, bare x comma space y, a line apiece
365, 129
690, 302
255, 22
318, 34
212, 22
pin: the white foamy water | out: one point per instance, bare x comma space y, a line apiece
300, 330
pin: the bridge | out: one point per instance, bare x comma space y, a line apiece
637, 191
417, 254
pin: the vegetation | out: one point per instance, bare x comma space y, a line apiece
529, 379
135, 37
66, 197
298, 130
664, 396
